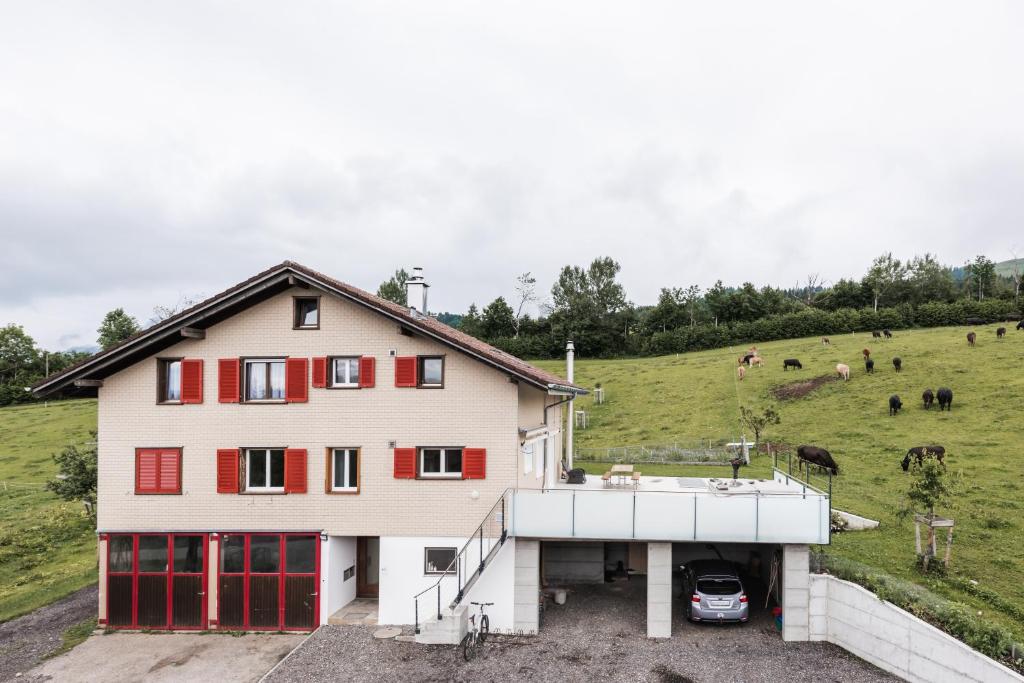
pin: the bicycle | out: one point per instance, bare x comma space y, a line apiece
477, 634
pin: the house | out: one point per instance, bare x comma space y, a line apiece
293, 443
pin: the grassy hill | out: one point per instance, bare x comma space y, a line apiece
672, 398
47, 546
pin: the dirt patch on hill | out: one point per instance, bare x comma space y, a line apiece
794, 390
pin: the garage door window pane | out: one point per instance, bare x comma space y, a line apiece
301, 554
265, 554
121, 550
152, 553
188, 554
232, 554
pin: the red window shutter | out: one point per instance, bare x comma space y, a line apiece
192, 380
170, 471
295, 470
405, 463
296, 372
405, 371
367, 372
227, 380
147, 471
474, 463
227, 470
319, 373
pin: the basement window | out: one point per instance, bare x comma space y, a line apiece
437, 560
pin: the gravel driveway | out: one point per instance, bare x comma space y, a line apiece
597, 635
25, 641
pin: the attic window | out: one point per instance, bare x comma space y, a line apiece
307, 313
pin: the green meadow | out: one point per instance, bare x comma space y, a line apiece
662, 400
47, 546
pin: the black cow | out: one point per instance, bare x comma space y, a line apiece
1020, 325
977, 321
887, 333
922, 452
875, 334
869, 365
897, 363
894, 404
1000, 333
945, 396
928, 397
791, 363
817, 456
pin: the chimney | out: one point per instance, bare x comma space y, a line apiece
416, 291
570, 374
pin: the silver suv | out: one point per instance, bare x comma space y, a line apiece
714, 592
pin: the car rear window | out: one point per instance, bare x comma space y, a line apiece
718, 587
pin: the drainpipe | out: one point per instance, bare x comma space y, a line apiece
570, 354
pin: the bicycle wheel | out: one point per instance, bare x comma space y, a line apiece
469, 647
485, 628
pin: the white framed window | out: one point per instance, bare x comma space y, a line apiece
345, 470
437, 560
345, 372
264, 379
441, 462
430, 373
264, 470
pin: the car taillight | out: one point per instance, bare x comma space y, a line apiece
743, 598
695, 598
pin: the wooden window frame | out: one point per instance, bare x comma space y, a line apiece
442, 476
178, 454
329, 469
420, 373
243, 379
243, 472
295, 311
330, 372
161, 381
428, 572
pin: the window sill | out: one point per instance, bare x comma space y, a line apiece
349, 492
176, 402
264, 401
442, 477
430, 386
344, 386
268, 492
306, 327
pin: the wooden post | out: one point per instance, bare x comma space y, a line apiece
917, 537
949, 545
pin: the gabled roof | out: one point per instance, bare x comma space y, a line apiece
263, 286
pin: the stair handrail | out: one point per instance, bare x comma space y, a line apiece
477, 535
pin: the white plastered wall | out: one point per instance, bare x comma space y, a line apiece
337, 554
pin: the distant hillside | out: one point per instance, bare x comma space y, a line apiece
1005, 268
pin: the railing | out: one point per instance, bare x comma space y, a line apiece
798, 515
469, 562
826, 475
694, 452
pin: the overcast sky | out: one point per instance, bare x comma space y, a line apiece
154, 150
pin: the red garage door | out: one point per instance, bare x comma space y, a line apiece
156, 581
269, 581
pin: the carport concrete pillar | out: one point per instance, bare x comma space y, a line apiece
525, 617
659, 590
796, 592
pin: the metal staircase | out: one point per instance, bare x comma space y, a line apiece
437, 609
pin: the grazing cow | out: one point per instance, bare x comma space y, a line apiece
977, 321
825, 341
869, 365
844, 370
1000, 333
897, 363
867, 353
945, 396
757, 360
791, 363
928, 397
894, 405
971, 337
816, 456
1020, 325
887, 333
741, 372
922, 452
744, 359
875, 334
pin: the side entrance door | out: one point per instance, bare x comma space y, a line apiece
367, 566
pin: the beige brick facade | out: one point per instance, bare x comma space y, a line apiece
478, 407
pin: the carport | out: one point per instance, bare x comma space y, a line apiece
641, 581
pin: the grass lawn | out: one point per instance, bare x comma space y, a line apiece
47, 546
653, 401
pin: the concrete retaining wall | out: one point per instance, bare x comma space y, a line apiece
890, 638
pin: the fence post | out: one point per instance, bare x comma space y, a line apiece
481, 548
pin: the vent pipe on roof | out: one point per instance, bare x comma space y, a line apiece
416, 291
570, 373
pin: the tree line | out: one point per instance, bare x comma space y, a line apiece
590, 306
